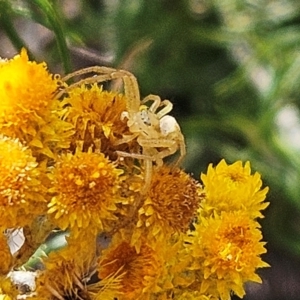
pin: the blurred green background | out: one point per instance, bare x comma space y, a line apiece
231, 68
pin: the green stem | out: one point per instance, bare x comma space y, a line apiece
54, 20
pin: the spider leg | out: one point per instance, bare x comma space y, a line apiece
156, 102
165, 153
131, 88
182, 151
170, 146
94, 69
89, 80
168, 107
148, 165
156, 142
135, 155
125, 139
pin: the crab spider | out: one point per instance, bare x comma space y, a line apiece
157, 133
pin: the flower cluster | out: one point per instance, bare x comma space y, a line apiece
96, 210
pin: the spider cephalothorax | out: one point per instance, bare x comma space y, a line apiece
157, 133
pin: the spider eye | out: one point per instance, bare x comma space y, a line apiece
145, 117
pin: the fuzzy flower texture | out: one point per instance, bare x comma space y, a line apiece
91, 209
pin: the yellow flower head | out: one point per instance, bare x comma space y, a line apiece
137, 272
172, 202
25, 92
192, 295
96, 116
6, 257
21, 190
27, 108
8, 291
85, 187
66, 270
4, 297
232, 187
226, 250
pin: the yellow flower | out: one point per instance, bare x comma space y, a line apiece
66, 270
175, 277
232, 187
4, 297
85, 187
137, 272
21, 189
96, 116
27, 108
192, 295
5, 255
8, 291
172, 202
226, 250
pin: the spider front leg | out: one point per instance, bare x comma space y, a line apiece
131, 89
103, 74
168, 106
84, 71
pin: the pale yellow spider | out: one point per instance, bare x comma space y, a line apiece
157, 133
